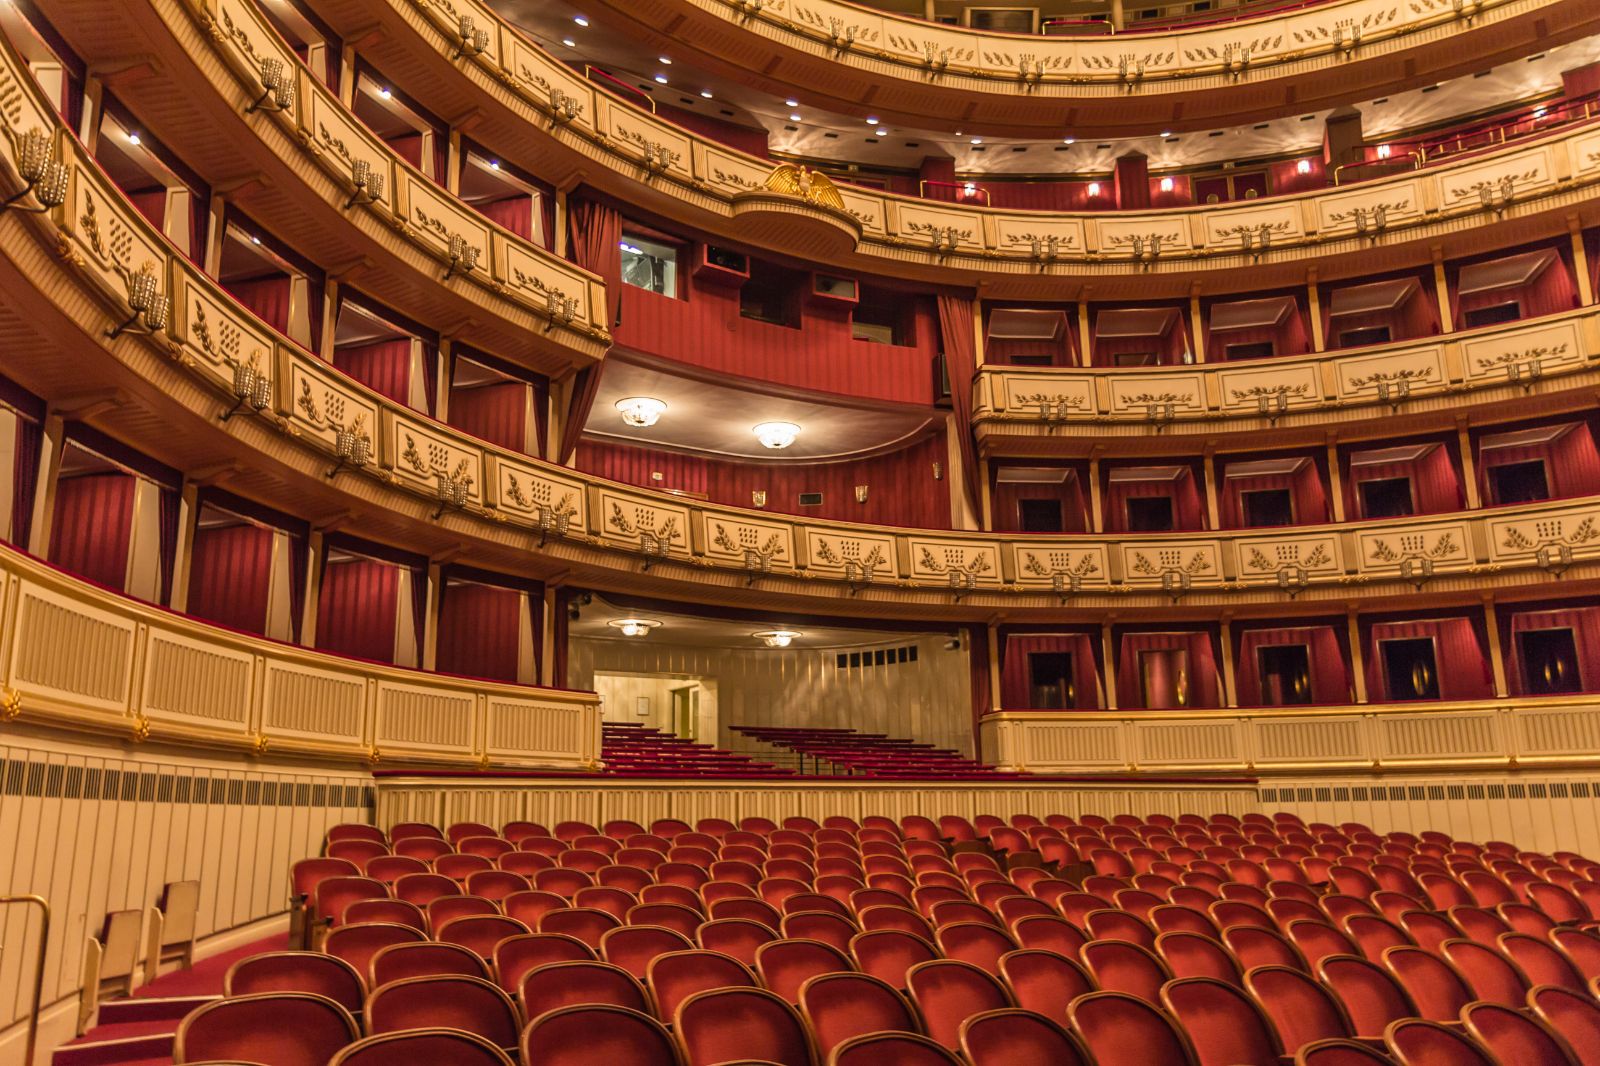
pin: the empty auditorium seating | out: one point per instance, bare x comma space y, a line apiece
1255, 940
870, 755
637, 751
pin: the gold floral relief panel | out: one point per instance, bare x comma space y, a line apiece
658, 146
432, 461
1174, 564
644, 525
859, 556
1444, 545
217, 335
340, 142
757, 546
1559, 533
114, 240
1369, 209
1047, 395
1136, 393
1313, 555
958, 564
437, 217
1060, 566
1526, 352
1269, 383
1499, 180
1143, 235
1392, 373
531, 493
326, 406
549, 85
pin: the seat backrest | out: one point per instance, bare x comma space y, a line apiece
1012, 1037
1119, 966
1581, 948
1122, 1030
1317, 940
398, 962
297, 971
436, 1047
738, 937
1195, 955
480, 932
839, 1006
785, 965
1301, 1010
1419, 1042
452, 1002
947, 992
283, 1028
732, 1024
1574, 1015
1370, 996
585, 923
565, 984
1540, 961
516, 955
889, 953
1224, 1025
1340, 1052
1044, 982
632, 947
356, 944
1049, 932
597, 1033
833, 929
1511, 1035
1490, 975
422, 889
892, 1049
677, 975
979, 943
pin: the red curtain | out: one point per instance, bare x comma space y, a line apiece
1203, 687
514, 213
357, 609
1585, 625
559, 619
1435, 485
1418, 316
978, 684
1288, 337
1330, 673
266, 298
479, 631
1168, 348
1462, 665
1188, 512
230, 576
1571, 462
24, 478
596, 232
495, 413
1304, 487
1015, 686
93, 526
151, 203
170, 512
408, 146
384, 367
961, 363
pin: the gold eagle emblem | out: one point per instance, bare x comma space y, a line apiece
812, 186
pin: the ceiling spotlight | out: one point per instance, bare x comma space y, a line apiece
254, 239
1166, 184
634, 627
664, 61
706, 93
872, 120
1165, 134
791, 103
977, 140
133, 139
494, 164
569, 42
794, 118
776, 435
580, 20
776, 638
641, 412
661, 79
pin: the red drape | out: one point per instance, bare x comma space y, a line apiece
24, 478
1417, 316
479, 630
152, 204
514, 213
1330, 673
1435, 485
1203, 686
1585, 625
266, 298
170, 512
961, 363
1463, 666
596, 238
230, 576
1015, 688
1550, 292
1304, 486
357, 609
978, 683
408, 146
495, 413
558, 636
93, 525
1188, 512
1571, 462
1288, 337
384, 367
1168, 347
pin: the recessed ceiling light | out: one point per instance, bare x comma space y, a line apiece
977, 140
777, 638
791, 103
634, 627
1165, 134
494, 164
385, 93
1069, 140
661, 79
872, 120
706, 93
133, 139
254, 239
569, 42
664, 61
580, 20
794, 118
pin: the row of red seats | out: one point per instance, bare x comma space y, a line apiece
869, 754
630, 750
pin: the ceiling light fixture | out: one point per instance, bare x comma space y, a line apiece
661, 79
794, 118
776, 435
133, 139
580, 20
791, 103
569, 42
1166, 184
1094, 188
1302, 166
873, 121
1069, 140
641, 412
634, 627
706, 93
777, 638
664, 61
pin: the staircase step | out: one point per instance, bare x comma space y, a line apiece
151, 1009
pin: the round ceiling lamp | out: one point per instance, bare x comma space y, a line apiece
641, 412
777, 638
634, 627
776, 435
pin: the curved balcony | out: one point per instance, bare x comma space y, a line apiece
1301, 57
554, 123
81, 658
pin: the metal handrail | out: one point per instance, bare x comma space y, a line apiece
591, 71
961, 187
1390, 161
1110, 27
38, 975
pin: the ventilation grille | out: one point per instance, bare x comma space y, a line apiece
21, 777
1538, 790
863, 660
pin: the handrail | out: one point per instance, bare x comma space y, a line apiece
38, 976
594, 73
1386, 161
1110, 27
964, 189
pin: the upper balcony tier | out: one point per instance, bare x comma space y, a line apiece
1297, 57
550, 122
